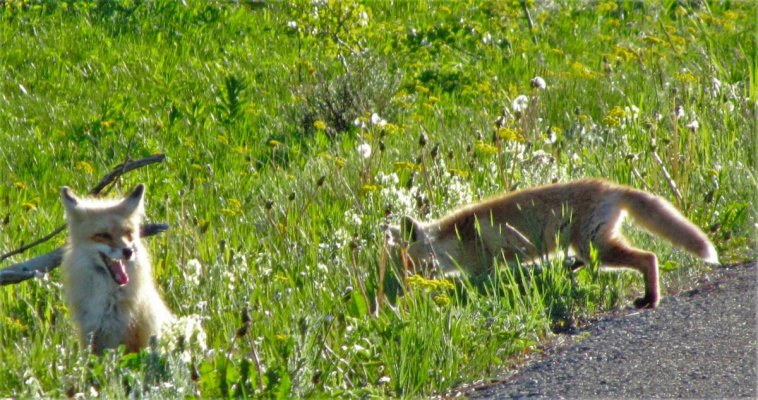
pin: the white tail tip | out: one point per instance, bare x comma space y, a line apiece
710, 255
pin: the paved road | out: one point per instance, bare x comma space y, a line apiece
700, 344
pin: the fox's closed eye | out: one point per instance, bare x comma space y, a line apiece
102, 236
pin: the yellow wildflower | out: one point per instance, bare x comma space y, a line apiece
485, 148
442, 300
510, 135
686, 77
607, 6
422, 89
458, 172
369, 188
85, 167
652, 40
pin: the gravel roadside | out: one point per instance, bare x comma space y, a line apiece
702, 343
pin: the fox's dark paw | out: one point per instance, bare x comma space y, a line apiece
645, 302
573, 263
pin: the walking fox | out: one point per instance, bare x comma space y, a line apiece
531, 223
106, 271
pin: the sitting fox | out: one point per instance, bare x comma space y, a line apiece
531, 223
106, 273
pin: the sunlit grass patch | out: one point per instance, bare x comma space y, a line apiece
294, 132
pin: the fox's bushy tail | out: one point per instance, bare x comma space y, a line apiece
662, 218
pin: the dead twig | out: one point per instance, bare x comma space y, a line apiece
45, 263
672, 184
529, 20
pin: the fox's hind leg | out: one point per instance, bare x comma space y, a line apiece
615, 253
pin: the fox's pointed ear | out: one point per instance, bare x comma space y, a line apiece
133, 202
391, 234
70, 204
68, 198
411, 230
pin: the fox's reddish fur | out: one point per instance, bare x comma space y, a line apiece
532, 223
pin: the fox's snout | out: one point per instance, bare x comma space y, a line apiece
127, 251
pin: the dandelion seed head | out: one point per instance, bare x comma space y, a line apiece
520, 103
377, 120
364, 149
538, 83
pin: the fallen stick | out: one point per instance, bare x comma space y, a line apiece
47, 262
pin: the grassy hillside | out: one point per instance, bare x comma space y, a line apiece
293, 132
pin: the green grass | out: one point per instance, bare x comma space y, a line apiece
254, 105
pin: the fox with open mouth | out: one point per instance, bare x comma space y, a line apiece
107, 277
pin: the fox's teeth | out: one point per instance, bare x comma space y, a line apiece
117, 269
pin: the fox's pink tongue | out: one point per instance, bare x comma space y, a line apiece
118, 272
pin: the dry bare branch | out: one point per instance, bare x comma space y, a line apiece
45, 263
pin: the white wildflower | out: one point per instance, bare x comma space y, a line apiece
190, 330
487, 38
538, 83
679, 112
292, 24
387, 180
359, 123
377, 120
520, 104
399, 199
693, 126
230, 278
542, 157
715, 87
364, 150
353, 218
632, 111
193, 271
550, 137
363, 19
